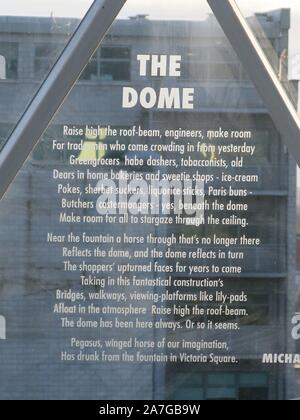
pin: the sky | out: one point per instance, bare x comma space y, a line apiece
156, 9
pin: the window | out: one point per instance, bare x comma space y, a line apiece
215, 61
45, 57
110, 63
44, 151
262, 139
9, 62
253, 386
219, 386
189, 386
224, 71
263, 214
77, 252
260, 305
258, 309
195, 70
5, 130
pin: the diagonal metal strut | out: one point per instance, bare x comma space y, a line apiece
56, 88
261, 72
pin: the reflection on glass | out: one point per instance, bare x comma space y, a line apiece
32, 270
281, 52
9, 53
29, 47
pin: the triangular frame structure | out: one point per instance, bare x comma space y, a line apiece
84, 43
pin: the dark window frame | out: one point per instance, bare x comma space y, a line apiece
99, 62
12, 64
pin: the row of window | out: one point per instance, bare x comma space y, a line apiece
113, 63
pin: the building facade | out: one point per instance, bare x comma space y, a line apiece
30, 269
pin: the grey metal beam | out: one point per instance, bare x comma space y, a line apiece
248, 49
56, 87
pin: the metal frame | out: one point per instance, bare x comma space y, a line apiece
261, 72
56, 88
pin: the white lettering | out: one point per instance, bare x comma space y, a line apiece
130, 97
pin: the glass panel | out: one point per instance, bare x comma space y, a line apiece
221, 394
253, 394
190, 394
148, 244
109, 64
268, 19
252, 380
221, 379
115, 71
44, 58
117, 53
192, 380
32, 35
9, 53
